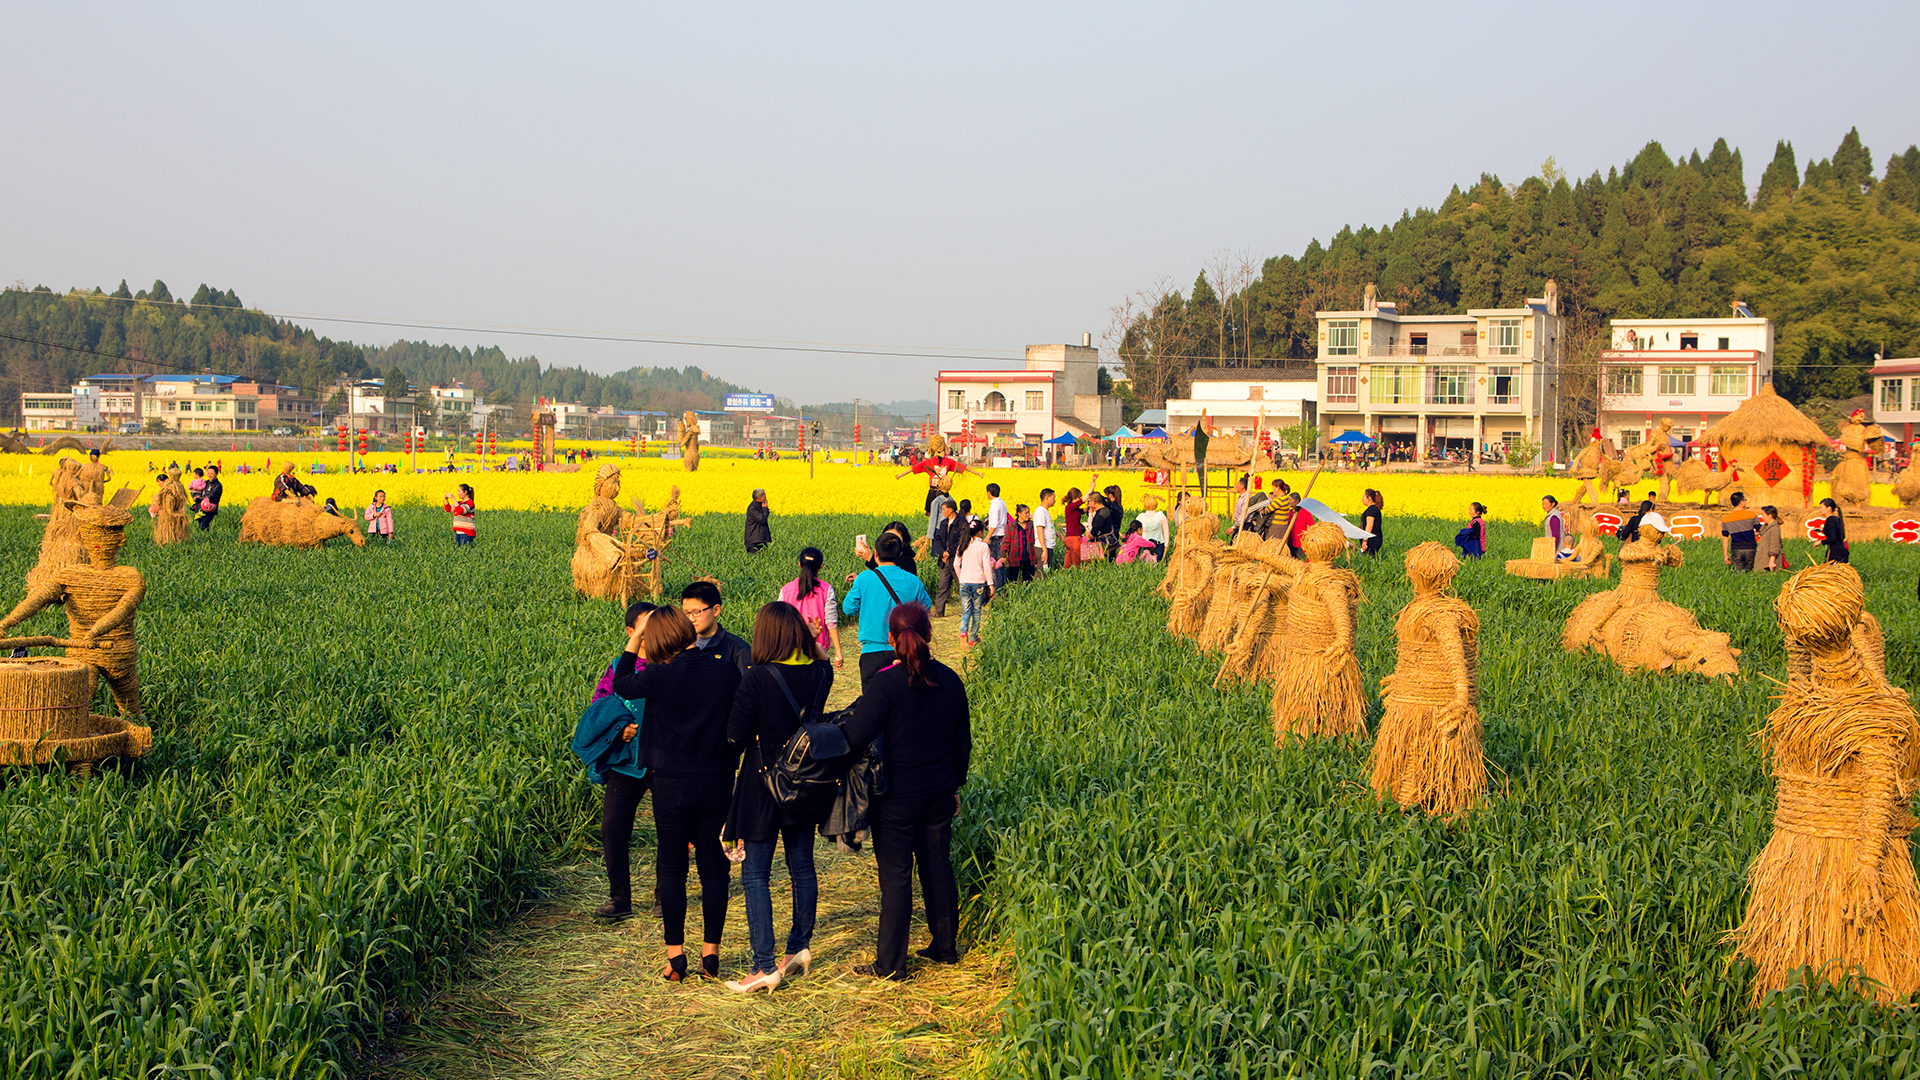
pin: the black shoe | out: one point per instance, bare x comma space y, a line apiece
868, 971
710, 965
657, 911
613, 911
928, 954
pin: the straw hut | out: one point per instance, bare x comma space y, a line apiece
1772, 443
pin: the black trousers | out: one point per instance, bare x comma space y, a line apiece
943, 592
691, 809
617, 807
910, 831
871, 662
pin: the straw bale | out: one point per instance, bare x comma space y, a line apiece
1317, 691
296, 523
1833, 893
1428, 754
45, 697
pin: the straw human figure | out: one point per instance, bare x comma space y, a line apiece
94, 476
1428, 753
101, 598
1852, 479
1316, 690
689, 441
1586, 467
1641, 561
1188, 583
1833, 893
600, 565
1254, 608
169, 510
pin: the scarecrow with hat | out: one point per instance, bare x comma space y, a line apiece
1861, 441
101, 598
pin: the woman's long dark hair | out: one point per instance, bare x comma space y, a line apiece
811, 560
1378, 502
779, 632
912, 634
468, 488
1833, 509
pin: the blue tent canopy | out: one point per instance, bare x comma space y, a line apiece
1125, 432
1353, 437
1062, 439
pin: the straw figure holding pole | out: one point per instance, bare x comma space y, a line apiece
169, 511
1586, 468
1255, 607
1316, 690
1428, 754
1188, 584
1852, 482
101, 598
1833, 893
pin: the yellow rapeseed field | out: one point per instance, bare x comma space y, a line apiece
724, 484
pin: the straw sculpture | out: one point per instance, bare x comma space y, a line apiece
643, 547
1232, 580
1778, 441
46, 716
689, 441
170, 517
1428, 754
60, 542
296, 523
1640, 631
101, 598
1833, 893
1222, 453
1255, 605
1851, 480
1589, 558
610, 561
1867, 639
1696, 475
1906, 486
94, 477
1188, 583
1586, 467
1316, 690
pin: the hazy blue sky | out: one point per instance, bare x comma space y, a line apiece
972, 179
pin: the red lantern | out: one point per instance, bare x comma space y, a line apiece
856, 434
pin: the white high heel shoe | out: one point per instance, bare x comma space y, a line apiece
751, 983
802, 960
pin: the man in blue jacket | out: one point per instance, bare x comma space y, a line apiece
873, 596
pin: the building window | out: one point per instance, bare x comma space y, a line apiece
1449, 384
1343, 337
1506, 337
1725, 344
1676, 381
1890, 393
1036, 401
1393, 384
1343, 385
1508, 438
956, 399
1690, 341
1727, 381
1630, 437
1625, 382
995, 402
1503, 385
1469, 342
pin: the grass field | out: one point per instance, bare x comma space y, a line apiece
360, 783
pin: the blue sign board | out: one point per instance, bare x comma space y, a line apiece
749, 403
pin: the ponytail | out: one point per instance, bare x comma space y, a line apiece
912, 632
811, 561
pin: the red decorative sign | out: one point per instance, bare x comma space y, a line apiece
1607, 524
1688, 526
1905, 531
1773, 469
1817, 529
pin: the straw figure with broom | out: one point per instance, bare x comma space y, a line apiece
1851, 479
689, 441
169, 510
101, 598
1833, 893
1428, 754
1316, 688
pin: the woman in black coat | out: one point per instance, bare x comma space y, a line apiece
1370, 521
920, 705
1833, 532
788, 667
683, 744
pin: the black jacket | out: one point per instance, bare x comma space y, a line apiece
760, 725
729, 646
946, 539
929, 729
689, 701
759, 531
214, 491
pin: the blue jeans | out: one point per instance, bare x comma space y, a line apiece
462, 539
970, 608
755, 883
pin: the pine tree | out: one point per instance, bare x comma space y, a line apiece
1781, 179
1853, 164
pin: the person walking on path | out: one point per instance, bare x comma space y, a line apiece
462, 509
1072, 531
789, 675
626, 782
1738, 540
812, 597
976, 580
700, 603
209, 504
946, 548
873, 596
689, 694
1043, 531
920, 706
1370, 521
759, 532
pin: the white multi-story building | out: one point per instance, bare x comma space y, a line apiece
370, 409
47, 412
1058, 391
1896, 398
1422, 384
196, 403
453, 407
1692, 371
1246, 401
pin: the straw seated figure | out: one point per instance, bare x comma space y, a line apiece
1428, 753
1833, 893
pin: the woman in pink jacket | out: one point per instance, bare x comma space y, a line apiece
976, 579
380, 517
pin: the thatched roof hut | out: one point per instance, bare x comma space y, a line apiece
1222, 452
1772, 443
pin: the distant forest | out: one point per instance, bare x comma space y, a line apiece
1831, 255
50, 340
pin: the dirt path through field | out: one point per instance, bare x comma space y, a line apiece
558, 995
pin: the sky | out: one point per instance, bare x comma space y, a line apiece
917, 186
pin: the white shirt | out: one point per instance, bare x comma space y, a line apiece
997, 517
1153, 525
1043, 527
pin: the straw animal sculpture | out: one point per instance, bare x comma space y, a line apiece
1833, 893
1642, 632
170, 517
1428, 753
689, 441
1851, 479
1696, 475
296, 523
1316, 691
1906, 486
101, 598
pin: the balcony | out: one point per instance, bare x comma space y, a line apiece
1481, 352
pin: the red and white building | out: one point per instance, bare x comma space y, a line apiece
1012, 409
1896, 398
1693, 371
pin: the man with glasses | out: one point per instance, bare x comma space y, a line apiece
700, 602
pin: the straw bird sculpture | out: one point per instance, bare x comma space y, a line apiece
1833, 893
1428, 753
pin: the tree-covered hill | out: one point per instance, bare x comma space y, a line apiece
1831, 255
